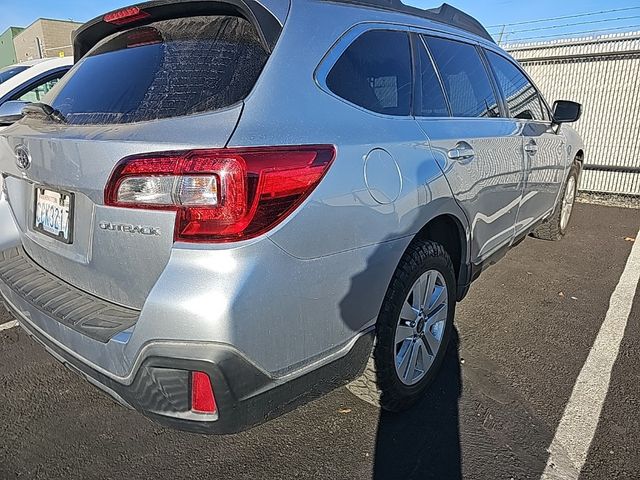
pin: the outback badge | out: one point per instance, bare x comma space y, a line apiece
128, 228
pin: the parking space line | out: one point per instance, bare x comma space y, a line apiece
8, 325
570, 446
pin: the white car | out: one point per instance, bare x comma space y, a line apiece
30, 81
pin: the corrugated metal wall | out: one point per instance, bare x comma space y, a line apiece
604, 75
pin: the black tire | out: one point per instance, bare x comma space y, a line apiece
380, 383
552, 229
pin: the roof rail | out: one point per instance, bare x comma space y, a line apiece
444, 14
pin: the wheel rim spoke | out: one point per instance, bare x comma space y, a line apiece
431, 284
432, 342
438, 297
410, 373
408, 312
418, 293
404, 359
425, 356
440, 315
403, 333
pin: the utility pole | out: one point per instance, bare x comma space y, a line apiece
501, 34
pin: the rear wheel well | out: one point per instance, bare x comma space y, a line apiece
448, 232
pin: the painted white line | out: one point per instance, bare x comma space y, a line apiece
8, 325
570, 446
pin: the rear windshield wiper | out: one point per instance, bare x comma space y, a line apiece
46, 110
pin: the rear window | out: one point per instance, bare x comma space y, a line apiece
10, 72
166, 69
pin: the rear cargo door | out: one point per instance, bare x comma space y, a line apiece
165, 86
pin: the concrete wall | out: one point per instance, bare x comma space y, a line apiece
7, 48
45, 38
604, 75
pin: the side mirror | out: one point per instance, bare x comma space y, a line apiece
11, 112
565, 111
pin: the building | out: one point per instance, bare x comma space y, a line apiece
602, 73
45, 38
7, 48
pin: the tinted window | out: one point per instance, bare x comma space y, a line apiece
465, 78
375, 73
522, 97
432, 101
10, 72
166, 69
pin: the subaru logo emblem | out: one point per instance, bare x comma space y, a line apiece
23, 157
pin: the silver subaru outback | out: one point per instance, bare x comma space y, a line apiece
227, 208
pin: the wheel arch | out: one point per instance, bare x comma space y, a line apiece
449, 231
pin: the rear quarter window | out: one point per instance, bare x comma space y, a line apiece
166, 69
375, 73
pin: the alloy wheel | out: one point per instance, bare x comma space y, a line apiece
567, 203
421, 327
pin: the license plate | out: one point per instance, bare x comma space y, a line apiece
53, 214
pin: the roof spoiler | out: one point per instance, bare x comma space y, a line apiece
445, 14
92, 32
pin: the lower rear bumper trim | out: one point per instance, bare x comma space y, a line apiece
245, 395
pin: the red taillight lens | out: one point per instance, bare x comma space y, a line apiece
126, 15
202, 399
221, 195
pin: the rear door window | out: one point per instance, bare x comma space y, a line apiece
522, 98
375, 73
465, 78
432, 101
166, 69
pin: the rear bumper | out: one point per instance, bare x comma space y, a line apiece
89, 315
202, 315
245, 395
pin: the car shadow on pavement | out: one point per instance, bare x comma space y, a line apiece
424, 442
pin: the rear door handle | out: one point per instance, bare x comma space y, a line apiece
461, 152
531, 148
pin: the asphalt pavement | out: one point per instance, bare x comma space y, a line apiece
524, 335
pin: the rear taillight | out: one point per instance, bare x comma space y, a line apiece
221, 195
